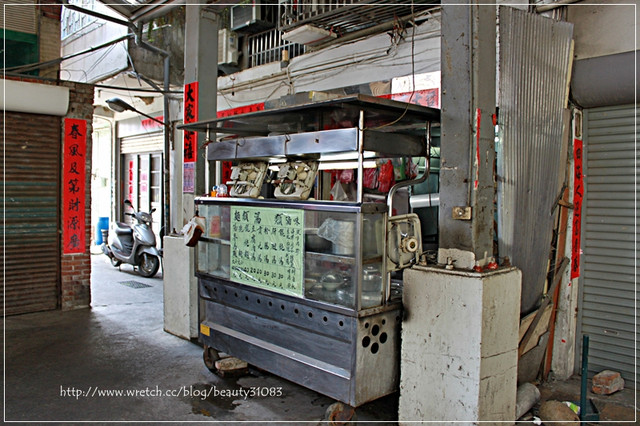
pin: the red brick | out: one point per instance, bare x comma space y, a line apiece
607, 382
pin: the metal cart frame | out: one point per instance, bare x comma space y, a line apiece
350, 354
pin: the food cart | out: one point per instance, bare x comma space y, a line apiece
294, 282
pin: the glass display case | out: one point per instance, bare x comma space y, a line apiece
317, 251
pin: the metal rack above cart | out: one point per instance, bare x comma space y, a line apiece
319, 129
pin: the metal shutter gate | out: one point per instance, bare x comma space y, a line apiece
31, 192
607, 286
18, 15
151, 142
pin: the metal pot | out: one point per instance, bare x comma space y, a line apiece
315, 243
371, 279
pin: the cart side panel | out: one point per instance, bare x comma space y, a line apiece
377, 359
280, 336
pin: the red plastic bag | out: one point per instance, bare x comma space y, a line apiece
370, 178
386, 178
347, 176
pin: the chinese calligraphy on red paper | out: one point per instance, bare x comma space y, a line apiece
73, 186
190, 116
578, 194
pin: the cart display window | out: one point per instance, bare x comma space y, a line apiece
312, 254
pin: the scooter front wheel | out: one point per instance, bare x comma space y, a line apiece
115, 262
149, 265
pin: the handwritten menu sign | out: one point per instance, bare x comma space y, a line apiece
73, 187
267, 248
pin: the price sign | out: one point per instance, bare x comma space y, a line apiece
267, 248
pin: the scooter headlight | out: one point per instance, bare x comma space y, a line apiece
146, 217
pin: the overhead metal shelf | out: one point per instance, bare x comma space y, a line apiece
381, 115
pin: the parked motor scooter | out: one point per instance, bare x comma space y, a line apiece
134, 244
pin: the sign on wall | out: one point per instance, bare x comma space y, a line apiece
73, 186
578, 194
190, 146
267, 248
190, 116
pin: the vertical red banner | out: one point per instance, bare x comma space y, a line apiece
190, 116
73, 186
578, 194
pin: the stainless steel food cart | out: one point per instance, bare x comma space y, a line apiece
321, 312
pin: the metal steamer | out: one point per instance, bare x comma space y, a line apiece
301, 287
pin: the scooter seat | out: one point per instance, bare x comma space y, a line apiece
123, 229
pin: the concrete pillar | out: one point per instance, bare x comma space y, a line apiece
467, 143
180, 293
459, 345
201, 65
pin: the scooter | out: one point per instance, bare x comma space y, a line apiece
135, 245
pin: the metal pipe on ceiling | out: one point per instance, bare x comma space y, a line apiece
540, 8
137, 30
367, 31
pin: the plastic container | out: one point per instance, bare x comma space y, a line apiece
103, 223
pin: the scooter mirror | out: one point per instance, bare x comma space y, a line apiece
128, 203
153, 209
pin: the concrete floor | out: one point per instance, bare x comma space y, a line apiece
620, 407
60, 366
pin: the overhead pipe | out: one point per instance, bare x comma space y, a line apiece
89, 12
167, 128
541, 8
137, 31
406, 183
424, 200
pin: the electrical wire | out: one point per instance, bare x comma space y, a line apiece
101, 58
39, 65
413, 79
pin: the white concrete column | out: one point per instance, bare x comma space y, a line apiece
459, 345
180, 293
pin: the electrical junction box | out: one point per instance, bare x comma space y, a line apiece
227, 47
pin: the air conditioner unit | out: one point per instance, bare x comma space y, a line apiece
252, 17
227, 47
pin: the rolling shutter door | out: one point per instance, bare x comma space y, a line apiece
18, 15
32, 248
609, 262
146, 143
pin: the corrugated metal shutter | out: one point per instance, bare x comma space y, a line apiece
18, 15
535, 50
609, 262
32, 247
137, 144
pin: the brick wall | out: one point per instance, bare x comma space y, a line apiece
49, 38
76, 268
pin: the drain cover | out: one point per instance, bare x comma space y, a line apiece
134, 284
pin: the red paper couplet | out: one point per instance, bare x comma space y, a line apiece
578, 194
190, 116
74, 186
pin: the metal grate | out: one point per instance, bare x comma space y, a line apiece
267, 47
346, 16
134, 284
609, 297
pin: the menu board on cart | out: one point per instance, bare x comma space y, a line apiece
267, 248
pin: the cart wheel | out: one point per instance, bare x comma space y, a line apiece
340, 414
210, 356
